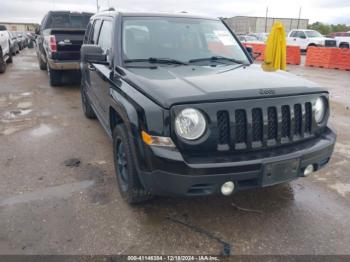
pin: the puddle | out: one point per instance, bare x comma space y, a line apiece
42, 130
62, 191
26, 94
24, 105
341, 188
12, 114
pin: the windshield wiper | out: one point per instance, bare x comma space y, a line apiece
157, 60
215, 58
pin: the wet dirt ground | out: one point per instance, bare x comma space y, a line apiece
58, 191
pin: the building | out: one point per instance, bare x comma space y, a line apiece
249, 24
20, 27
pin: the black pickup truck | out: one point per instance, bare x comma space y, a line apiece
190, 114
58, 42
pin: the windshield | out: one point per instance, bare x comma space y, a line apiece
313, 34
180, 39
66, 20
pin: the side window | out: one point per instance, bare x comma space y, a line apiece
95, 32
301, 34
105, 38
293, 34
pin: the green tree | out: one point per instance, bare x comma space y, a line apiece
326, 29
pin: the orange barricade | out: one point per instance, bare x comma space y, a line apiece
340, 59
293, 53
335, 58
318, 56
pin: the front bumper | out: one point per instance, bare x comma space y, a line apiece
171, 175
64, 65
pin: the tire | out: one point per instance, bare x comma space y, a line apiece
87, 108
10, 60
42, 64
2, 63
55, 77
343, 45
129, 184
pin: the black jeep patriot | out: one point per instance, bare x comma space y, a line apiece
190, 114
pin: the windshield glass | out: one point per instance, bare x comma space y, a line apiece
181, 39
66, 20
313, 34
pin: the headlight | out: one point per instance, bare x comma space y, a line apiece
320, 109
190, 124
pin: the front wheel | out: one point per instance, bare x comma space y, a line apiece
10, 59
2, 63
129, 184
42, 64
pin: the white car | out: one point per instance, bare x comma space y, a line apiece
5, 48
305, 38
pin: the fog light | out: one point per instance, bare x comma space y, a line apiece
308, 170
227, 188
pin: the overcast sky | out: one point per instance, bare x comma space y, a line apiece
328, 11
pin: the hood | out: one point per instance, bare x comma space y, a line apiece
169, 85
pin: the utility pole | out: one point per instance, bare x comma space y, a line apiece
299, 17
267, 11
97, 5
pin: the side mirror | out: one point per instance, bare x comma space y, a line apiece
302, 37
250, 51
253, 55
93, 54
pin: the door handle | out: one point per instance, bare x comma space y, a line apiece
91, 68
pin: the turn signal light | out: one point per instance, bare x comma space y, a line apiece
157, 140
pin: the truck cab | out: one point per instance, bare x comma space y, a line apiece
190, 114
58, 42
305, 38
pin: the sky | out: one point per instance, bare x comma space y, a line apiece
327, 11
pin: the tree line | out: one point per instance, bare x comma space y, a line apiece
326, 29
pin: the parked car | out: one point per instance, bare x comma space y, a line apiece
260, 36
190, 114
342, 38
20, 40
58, 42
5, 48
248, 39
305, 38
13, 44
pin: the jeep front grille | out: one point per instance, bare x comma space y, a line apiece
264, 127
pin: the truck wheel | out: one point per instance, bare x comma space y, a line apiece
2, 63
10, 60
87, 108
55, 77
42, 64
129, 184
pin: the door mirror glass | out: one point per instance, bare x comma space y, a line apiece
93, 54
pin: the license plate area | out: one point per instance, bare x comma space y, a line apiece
282, 171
